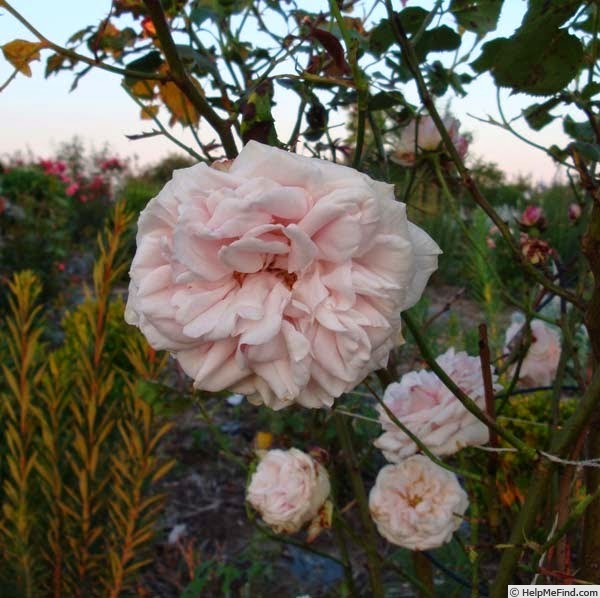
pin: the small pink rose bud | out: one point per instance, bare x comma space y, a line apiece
531, 215
574, 212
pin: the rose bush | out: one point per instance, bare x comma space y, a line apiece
417, 504
288, 489
281, 278
541, 360
429, 410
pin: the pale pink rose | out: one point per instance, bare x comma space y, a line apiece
429, 410
417, 504
541, 361
424, 136
288, 489
282, 278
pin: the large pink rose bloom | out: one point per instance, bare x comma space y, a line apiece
281, 279
288, 489
541, 361
429, 410
417, 504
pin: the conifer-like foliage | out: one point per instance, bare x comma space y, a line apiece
79, 455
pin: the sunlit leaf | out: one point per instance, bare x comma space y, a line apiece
20, 53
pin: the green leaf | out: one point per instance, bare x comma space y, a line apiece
480, 16
544, 16
536, 63
591, 151
538, 115
148, 63
386, 99
581, 131
54, 64
590, 90
411, 18
199, 14
440, 39
382, 36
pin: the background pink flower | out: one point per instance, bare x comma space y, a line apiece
541, 361
430, 411
281, 279
422, 134
417, 504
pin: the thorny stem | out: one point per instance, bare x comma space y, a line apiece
363, 505
420, 444
561, 444
469, 404
162, 129
183, 80
361, 82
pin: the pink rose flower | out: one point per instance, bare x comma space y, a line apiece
72, 189
425, 137
281, 279
430, 411
531, 214
574, 212
417, 504
288, 489
541, 361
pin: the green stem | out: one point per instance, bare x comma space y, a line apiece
420, 445
469, 404
80, 57
339, 537
361, 82
468, 181
424, 572
182, 79
523, 526
373, 561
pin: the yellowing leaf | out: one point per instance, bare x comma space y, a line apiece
20, 53
144, 89
149, 112
181, 109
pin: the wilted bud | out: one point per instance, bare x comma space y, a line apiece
535, 250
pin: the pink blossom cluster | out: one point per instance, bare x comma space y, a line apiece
80, 186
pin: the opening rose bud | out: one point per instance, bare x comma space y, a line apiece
281, 277
288, 489
533, 216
